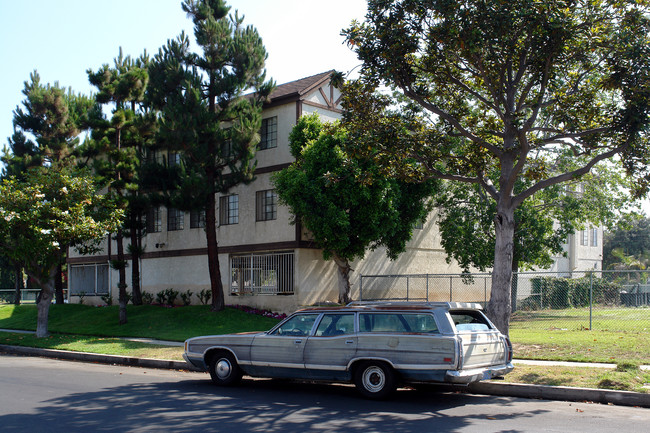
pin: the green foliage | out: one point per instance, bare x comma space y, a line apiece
561, 293
342, 201
147, 298
171, 295
186, 297
49, 208
498, 94
204, 296
203, 116
627, 246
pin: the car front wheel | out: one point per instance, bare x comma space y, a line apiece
224, 369
375, 379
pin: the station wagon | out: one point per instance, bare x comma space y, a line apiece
375, 345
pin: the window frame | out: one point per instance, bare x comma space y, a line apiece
175, 219
197, 219
266, 205
268, 133
229, 210
153, 220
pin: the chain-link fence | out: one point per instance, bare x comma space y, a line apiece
613, 300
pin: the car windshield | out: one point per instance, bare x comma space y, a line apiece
297, 325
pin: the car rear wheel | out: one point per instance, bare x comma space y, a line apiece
224, 369
375, 379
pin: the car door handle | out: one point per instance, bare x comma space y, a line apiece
298, 341
349, 342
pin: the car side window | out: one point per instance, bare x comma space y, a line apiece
296, 326
404, 323
335, 324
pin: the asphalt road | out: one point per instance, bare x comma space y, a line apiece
45, 395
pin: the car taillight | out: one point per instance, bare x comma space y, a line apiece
508, 348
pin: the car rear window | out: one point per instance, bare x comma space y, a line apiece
397, 322
470, 321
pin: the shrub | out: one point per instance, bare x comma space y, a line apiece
161, 297
147, 298
187, 298
171, 296
108, 299
204, 296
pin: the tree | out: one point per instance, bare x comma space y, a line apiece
204, 117
54, 118
522, 87
345, 214
48, 208
542, 223
628, 243
116, 151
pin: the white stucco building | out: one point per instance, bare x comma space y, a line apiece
264, 260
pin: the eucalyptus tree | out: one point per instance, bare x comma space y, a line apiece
204, 116
517, 87
325, 190
116, 151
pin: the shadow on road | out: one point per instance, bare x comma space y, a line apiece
266, 406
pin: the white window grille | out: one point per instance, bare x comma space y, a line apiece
262, 274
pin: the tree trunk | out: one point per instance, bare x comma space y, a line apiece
135, 260
121, 265
216, 286
18, 284
344, 279
43, 303
58, 281
499, 307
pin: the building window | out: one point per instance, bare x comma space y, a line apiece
173, 159
266, 207
262, 274
229, 210
197, 219
175, 219
154, 220
584, 237
269, 133
89, 279
594, 237
154, 156
419, 224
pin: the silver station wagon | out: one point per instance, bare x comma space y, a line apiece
376, 345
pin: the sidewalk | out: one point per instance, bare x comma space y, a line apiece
544, 392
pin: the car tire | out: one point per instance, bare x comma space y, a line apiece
375, 379
224, 369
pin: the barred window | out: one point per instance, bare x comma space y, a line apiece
229, 210
269, 133
266, 207
154, 220
265, 273
175, 219
89, 279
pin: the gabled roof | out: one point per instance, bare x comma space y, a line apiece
298, 88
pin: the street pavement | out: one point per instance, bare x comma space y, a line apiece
626, 398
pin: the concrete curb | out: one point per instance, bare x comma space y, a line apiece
543, 392
99, 358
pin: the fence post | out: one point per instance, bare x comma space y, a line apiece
451, 293
427, 277
361, 288
407, 288
591, 299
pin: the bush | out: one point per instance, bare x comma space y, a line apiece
147, 298
108, 300
204, 296
187, 298
161, 297
171, 296
562, 293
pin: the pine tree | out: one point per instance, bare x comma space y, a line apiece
205, 118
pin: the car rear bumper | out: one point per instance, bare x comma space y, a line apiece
477, 374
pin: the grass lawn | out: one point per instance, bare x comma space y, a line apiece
149, 321
624, 378
618, 335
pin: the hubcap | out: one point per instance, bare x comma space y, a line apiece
374, 379
223, 368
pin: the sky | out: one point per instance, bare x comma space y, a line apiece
62, 39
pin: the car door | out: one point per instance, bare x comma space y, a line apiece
332, 346
280, 353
